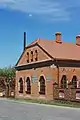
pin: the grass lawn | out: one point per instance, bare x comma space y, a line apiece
56, 102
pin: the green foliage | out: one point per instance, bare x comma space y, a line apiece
8, 73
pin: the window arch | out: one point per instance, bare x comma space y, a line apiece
42, 85
28, 85
64, 81
36, 53
21, 85
74, 81
31, 56
27, 57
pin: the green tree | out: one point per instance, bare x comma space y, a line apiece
8, 73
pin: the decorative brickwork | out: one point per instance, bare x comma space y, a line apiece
54, 61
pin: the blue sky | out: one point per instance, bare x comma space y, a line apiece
39, 18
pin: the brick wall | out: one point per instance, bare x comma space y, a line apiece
34, 86
45, 71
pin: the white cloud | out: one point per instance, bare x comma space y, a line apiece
48, 9
30, 15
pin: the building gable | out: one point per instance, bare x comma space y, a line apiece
33, 54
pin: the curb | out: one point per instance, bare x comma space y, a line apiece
38, 104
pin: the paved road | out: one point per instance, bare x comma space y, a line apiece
10, 110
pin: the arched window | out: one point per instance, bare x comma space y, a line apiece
28, 85
74, 81
21, 85
64, 81
27, 57
36, 53
31, 56
42, 85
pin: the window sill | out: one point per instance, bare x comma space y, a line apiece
28, 92
20, 92
41, 93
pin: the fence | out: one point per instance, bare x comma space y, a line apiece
70, 94
7, 89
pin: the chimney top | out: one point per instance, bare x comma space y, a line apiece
77, 36
58, 33
78, 40
58, 37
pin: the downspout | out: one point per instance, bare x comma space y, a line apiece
57, 66
54, 91
58, 75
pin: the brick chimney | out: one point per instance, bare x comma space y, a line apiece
58, 37
78, 40
24, 40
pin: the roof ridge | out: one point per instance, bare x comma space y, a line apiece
33, 42
38, 40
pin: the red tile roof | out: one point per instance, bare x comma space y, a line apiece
64, 50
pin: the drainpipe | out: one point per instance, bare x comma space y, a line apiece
57, 66
58, 74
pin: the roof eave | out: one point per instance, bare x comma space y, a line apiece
67, 59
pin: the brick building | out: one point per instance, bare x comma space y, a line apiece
49, 69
